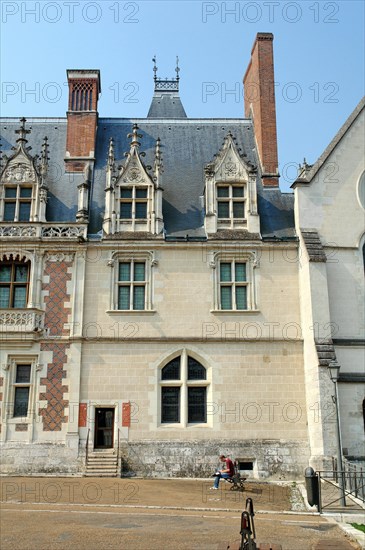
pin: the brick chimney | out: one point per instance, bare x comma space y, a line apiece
82, 118
259, 94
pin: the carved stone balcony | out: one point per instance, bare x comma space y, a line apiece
43, 231
24, 321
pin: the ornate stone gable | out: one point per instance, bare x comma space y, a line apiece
232, 170
133, 197
22, 170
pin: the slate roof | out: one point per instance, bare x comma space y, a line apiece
313, 245
187, 145
166, 105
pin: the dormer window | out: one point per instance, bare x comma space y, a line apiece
17, 203
133, 203
133, 197
231, 202
230, 191
23, 190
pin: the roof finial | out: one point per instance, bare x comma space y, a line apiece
177, 70
155, 68
22, 131
135, 135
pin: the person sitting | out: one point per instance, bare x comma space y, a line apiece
226, 473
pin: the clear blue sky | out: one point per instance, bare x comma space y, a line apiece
318, 49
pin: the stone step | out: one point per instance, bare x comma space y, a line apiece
102, 460
101, 474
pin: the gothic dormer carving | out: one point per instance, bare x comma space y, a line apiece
230, 190
133, 197
23, 188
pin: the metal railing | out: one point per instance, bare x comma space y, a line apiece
354, 478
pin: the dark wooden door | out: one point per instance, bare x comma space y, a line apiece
104, 426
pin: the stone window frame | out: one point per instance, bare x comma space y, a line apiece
34, 277
10, 386
13, 283
18, 199
183, 383
249, 258
134, 257
231, 221
133, 200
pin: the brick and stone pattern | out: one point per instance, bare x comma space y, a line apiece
56, 315
53, 415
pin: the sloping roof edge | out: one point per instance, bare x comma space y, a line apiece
335, 141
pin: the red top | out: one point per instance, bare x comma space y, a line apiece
230, 466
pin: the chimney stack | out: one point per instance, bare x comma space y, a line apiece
259, 94
82, 118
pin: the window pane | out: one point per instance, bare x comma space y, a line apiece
10, 192
125, 210
5, 273
238, 210
141, 210
223, 209
25, 192
240, 272
170, 405
197, 405
124, 297
172, 370
126, 193
20, 296
226, 297
222, 191
124, 271
22, 374
21, 399
139, 271
138, 297
237, 191
21, 273
141, 193
196, 371
4, 296
225, 271
241, 297
9, 211
24, 211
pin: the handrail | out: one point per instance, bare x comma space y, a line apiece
87, 447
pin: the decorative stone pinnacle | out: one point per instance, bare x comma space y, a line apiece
111, 158
44, 159
158, 156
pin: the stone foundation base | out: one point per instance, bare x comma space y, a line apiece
38, 458
267, 459
258, 459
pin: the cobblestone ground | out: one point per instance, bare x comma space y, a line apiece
102, 514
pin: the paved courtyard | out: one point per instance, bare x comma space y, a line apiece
97, 514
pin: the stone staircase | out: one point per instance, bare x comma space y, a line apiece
102, 463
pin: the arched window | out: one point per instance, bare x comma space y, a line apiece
183, 391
